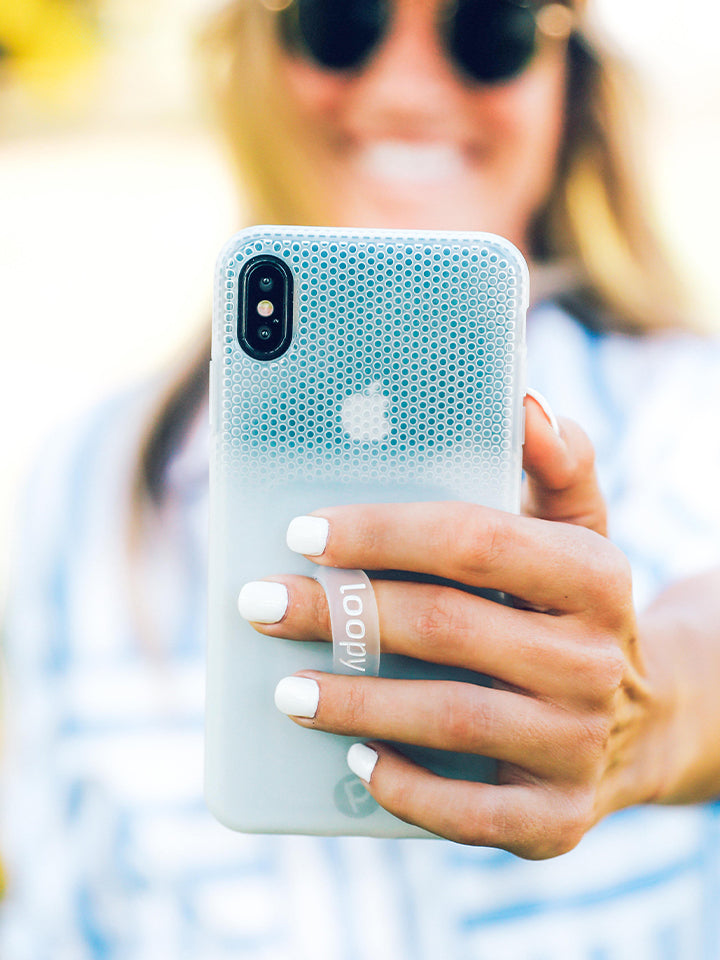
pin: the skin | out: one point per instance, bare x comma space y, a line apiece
594, 708
507, 135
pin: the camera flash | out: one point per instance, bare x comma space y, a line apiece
265, 308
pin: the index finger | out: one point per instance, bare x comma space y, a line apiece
553, 566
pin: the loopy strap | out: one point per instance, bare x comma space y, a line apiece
353, 620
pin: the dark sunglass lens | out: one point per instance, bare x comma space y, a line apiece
337, 34
491, 40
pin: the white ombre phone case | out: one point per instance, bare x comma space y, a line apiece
404, 381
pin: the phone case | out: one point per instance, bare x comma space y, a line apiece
404, 381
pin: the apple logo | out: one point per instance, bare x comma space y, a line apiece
365, 414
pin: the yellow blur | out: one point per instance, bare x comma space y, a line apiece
47, 42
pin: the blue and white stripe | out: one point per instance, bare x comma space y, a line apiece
111, 852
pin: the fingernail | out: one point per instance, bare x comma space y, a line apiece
297, 696
308, 535
546, 409
263, 601
362, 759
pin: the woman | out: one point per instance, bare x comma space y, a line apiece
605, 699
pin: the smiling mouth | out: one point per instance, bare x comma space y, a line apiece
414, 162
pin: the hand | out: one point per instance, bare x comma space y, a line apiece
572, 717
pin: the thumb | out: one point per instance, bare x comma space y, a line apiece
559, 461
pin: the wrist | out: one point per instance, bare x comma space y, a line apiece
643, 765
684, 712
661, 747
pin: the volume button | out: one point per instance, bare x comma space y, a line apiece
523, 382
211, 396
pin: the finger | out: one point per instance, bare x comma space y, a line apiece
562, 483
527, 820
539, 737
549, 565
443, 625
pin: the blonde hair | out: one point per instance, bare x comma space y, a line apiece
596, 216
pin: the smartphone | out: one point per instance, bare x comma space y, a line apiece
348, 366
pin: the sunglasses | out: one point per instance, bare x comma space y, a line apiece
488, 41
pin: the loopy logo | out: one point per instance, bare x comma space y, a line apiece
354, 629
352, 799
354, 621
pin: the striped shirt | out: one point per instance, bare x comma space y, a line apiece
111, 852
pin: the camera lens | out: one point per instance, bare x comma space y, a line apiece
265, 309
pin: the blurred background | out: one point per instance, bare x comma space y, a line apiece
114, 198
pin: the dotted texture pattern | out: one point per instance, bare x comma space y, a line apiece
403, 382
406, 364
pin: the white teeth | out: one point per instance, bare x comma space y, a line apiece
408, 161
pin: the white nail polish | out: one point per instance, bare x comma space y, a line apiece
546, 409
297, 696
308, 535
362, 759
263, 601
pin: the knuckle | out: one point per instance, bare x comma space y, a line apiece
579, 463
584, 455
607, 576
602, 671
463, 717
526, 832
354, 706
481, 539
592, 734
619, 578
441, 620
576, 819
612, 575
610, 669
430, 625
556, 843
561, 829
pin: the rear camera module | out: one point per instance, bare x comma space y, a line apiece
265, 325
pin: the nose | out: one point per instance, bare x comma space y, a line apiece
409, 80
